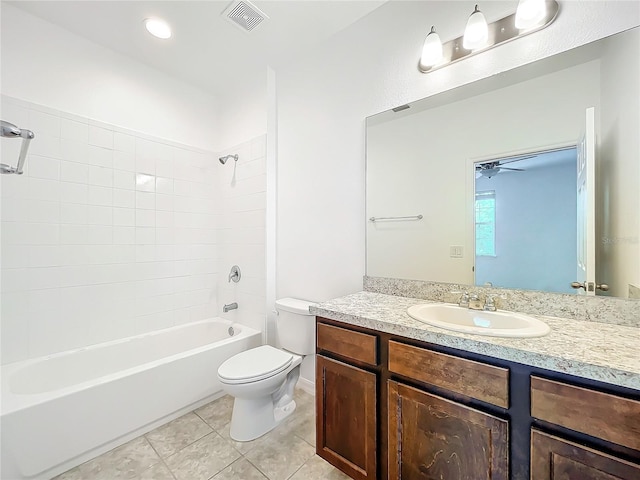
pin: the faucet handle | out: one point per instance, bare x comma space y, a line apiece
489, 303
464, 300
234, 274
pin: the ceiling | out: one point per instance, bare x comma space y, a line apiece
205, 50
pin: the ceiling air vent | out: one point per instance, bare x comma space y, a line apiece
245, 15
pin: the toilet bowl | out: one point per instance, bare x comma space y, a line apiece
262, 379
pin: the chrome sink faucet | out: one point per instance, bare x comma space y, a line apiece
474, 302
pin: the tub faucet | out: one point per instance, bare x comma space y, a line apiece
230, 306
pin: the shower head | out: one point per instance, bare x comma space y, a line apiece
224, 159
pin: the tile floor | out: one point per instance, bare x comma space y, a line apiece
197, 446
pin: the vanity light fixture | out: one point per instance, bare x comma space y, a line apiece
158, 28
431, 50
530, 13
476, 34
531, 16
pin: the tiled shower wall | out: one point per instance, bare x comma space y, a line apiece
110, 233
241, 234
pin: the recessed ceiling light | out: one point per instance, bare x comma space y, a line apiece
158, 28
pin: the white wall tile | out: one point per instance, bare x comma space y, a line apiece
124, 179
99, 215
72, 130
124, 216
44, 124
46, 146
15, 256
124, 161
99, 234
101, 176
146, 200
124, 198
124, 235
74, 193
44, 167
145, 183
100, 196
145, 218
99, 156
43, 211
105, 215
74, 172
124, 143
74, 234
73, 213
42, 189
100, 137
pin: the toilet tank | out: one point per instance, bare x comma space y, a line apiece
296, 326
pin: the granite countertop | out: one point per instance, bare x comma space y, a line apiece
598, 351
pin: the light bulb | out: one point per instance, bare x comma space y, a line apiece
158, 28
477, 32
432, 50
530, 13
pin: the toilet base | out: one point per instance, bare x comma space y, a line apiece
253, 417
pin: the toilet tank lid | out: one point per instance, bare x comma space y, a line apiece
294, 305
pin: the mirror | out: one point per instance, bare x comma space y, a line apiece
431, 165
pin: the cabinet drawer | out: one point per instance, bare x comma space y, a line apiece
612, 418
477, 380
348, 344
553, 458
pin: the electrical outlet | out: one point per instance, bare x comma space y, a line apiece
456, 251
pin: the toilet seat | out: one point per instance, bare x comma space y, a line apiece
254, 365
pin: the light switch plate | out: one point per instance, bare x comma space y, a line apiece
456, 251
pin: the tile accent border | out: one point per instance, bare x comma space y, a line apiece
616, 311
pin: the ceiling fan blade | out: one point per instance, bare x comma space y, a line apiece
513, 169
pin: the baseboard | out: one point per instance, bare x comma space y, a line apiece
307, 385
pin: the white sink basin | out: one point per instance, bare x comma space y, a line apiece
479, 322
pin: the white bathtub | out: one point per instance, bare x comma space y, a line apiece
60, 410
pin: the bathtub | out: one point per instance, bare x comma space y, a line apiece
63, 409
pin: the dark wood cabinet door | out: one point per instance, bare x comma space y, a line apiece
553, 458
346, 417
432, 438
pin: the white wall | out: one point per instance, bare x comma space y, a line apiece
619, 169
369, 67
48, 65
414, 166
529, 205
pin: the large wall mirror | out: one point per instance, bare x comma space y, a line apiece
479, 185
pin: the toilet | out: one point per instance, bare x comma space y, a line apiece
262, 379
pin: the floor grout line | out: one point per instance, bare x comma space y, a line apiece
160, 457
287, 428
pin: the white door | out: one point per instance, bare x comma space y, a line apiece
586, 206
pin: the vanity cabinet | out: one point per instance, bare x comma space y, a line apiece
346, 402
396, 408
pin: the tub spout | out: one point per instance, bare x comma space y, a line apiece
229, 307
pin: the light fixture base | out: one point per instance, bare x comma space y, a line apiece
500, 32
